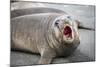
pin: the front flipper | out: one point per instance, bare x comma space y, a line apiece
44, 60
46, 56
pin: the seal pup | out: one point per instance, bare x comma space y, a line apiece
50, 34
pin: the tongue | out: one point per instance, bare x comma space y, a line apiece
67, 31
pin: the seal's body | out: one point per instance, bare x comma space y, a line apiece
20, 12
50, 34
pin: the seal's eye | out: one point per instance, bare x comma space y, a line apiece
56, 23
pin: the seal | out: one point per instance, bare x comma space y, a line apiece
49, 34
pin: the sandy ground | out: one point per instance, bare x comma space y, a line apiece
86, 50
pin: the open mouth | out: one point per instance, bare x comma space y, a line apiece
67, 32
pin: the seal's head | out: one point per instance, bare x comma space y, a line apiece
65, 29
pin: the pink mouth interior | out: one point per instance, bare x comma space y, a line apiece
67, 31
